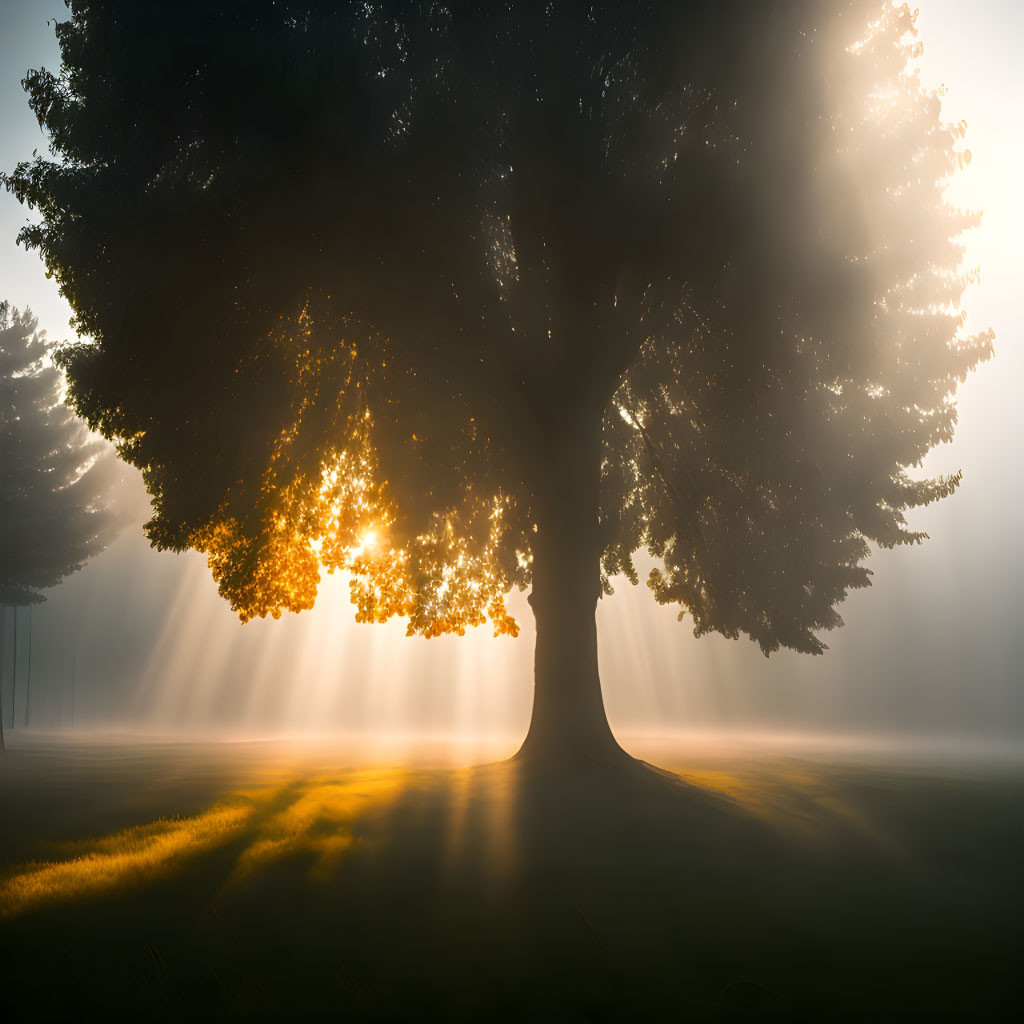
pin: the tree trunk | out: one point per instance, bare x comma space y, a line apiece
568, 722
3, 634
28, 681
14, 671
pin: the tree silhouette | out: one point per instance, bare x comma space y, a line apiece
462, 297
54, 477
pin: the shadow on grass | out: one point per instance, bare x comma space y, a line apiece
789, 891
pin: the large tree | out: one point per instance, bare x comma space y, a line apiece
460, 297
55, 477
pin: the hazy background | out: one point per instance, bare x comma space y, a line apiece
934, 648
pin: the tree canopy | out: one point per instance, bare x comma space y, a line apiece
350, 273
55, 478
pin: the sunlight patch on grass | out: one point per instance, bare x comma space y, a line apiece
280, 818
134, 854
320, 821
804, 806
788, 803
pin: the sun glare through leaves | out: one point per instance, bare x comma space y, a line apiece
337, 514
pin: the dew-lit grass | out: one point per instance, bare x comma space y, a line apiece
127, 857
271, 819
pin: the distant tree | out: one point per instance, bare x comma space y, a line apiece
55, 477
460, 297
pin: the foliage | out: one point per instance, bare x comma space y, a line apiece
354, 270
54, 477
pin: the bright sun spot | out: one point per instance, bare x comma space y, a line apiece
368, 543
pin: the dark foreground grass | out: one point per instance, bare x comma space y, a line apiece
252, 883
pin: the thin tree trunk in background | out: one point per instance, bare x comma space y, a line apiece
3, 633
14, 671
28, 681
74, 666
568, 721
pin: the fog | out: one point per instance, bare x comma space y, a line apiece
141, 640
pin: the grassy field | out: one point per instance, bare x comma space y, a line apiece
274, 881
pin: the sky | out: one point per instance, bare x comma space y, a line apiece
935, 647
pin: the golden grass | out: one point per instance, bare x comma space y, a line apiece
320, 821
317, 818
132, 855
804, 806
